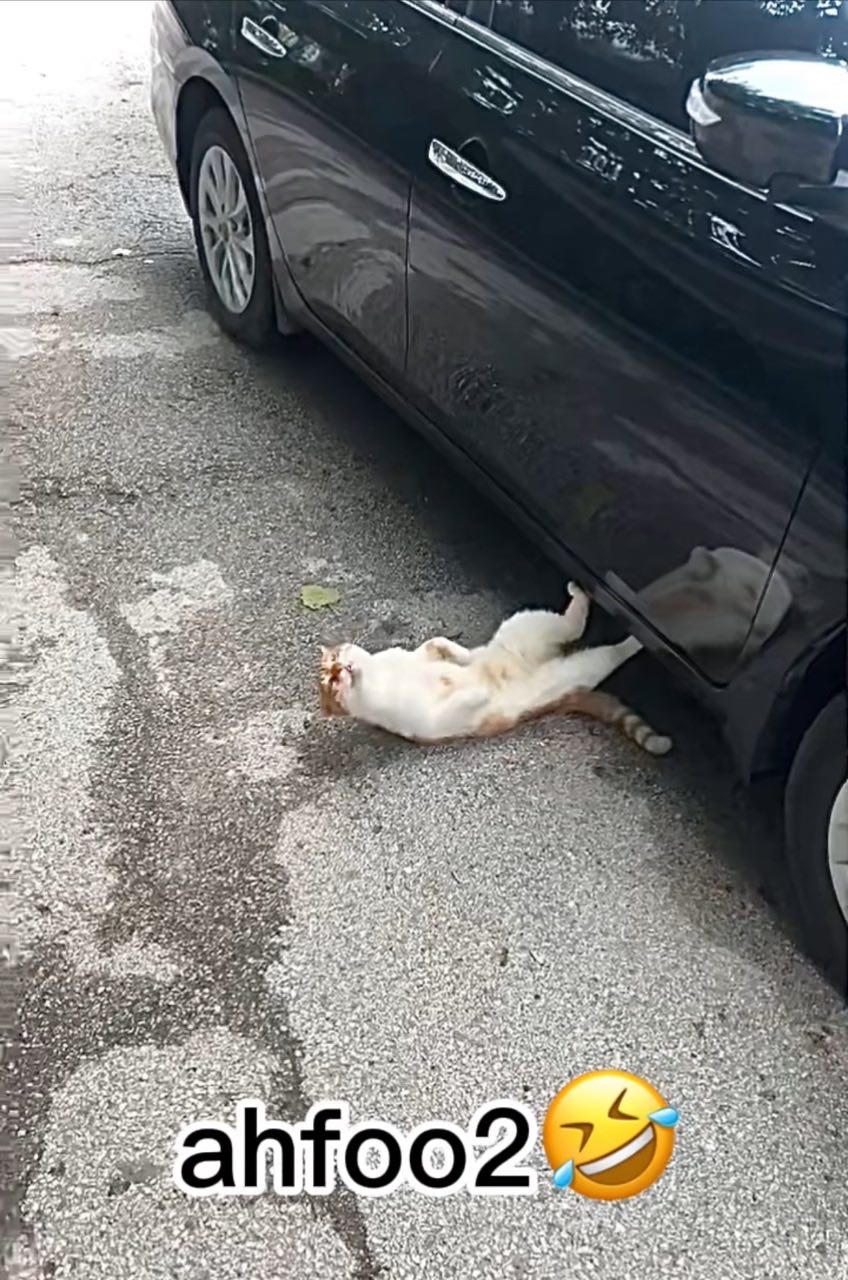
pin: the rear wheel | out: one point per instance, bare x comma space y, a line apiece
817, 838
229, 232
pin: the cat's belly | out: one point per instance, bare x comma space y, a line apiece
442, 701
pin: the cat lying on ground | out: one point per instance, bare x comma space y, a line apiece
440, 691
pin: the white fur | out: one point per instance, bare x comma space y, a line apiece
522, 669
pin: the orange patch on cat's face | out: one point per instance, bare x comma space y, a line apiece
329, 687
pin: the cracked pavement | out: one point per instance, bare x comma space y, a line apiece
221, 895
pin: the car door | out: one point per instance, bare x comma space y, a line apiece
639, 350
332, 92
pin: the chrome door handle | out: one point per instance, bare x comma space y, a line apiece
257, 35
462, 171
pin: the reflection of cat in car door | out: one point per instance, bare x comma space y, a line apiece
709, 602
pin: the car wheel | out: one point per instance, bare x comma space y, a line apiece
229, 232
816, 811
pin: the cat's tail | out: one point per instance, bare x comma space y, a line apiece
609, 710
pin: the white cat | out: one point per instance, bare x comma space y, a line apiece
440, 691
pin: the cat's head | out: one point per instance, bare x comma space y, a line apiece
335, 678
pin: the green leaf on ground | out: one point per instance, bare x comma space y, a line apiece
313, 596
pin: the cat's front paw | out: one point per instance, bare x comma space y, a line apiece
440, 650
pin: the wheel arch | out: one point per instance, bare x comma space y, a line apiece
807, 690
197, 97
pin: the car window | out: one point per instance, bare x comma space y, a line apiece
634, 50
648, 51
719, 27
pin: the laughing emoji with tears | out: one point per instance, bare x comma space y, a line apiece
608, 1135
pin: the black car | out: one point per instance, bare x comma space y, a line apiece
597, 250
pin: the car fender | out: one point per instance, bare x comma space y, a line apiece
780, 689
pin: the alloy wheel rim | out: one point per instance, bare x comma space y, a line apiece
226, 229
837, 848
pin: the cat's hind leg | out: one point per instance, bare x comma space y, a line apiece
590, 667
576, 613
537, 635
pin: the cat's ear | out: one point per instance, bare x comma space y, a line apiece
326, 654
703, 564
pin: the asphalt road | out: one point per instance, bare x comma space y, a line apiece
223, 895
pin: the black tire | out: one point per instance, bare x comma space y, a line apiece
817, 773
255, 326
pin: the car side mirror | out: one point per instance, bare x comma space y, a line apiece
769, 118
